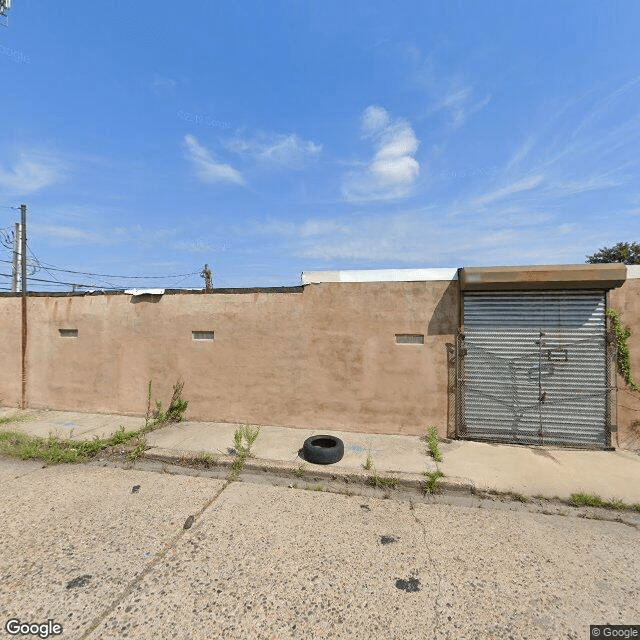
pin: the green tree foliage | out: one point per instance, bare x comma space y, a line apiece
625, 252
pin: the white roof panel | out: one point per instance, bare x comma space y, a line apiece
379, 275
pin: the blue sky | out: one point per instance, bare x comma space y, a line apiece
272, 138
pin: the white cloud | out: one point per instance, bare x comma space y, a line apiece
32, 171
207, 168
516, 187
393, 169
162, 82
313, 228
287, 150
66, 233
449, 93
374, 119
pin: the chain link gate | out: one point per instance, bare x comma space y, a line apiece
555, 390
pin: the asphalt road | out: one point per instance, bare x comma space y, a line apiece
83, 548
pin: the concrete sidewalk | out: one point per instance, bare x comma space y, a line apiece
468, 466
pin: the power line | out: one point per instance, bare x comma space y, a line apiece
39, 265
46, 265
107, 275
72, 284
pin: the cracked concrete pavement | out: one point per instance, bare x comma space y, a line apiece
83, 548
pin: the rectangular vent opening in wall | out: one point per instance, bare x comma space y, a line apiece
202, 335
409, 338
68, 333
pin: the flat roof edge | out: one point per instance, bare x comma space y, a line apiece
566, 276
379, 275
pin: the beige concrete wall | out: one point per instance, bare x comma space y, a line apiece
10, 351
321, 358
626, 300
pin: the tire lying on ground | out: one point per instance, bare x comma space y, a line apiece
323, 449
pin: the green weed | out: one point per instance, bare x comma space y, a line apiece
55, 450
434, 444
379, 481
433, 480
15, 418
243, 438
592, 500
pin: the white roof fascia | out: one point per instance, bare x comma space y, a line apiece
633, 271
142, 292
380, 275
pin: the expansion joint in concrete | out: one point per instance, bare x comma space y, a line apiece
159, 556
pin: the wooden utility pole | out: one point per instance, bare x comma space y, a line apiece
23, 264
23, 247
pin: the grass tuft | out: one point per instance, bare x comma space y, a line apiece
56, 450
379, 481
16, 417
583, 499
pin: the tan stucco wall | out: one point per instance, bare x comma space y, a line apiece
626, 300
10, 351
321, 358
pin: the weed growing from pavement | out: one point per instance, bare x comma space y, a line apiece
433, 444
55, 450
368, 465
176, 409
147, 415
243, 450
15, 418
433, 479
592, 500
379, 481
518, 497
206, 459
300, 471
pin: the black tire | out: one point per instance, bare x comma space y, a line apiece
323, 449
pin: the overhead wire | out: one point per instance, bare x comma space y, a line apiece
105, 285
41, 266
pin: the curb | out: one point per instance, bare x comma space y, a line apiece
312, 472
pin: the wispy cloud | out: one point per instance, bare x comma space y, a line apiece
31, 171
207, 168
393, 169
525, 184
285, 150
447, 93
162, 83
66, 234
430, 236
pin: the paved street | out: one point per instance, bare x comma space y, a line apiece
83, 548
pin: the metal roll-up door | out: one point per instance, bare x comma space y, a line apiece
534, 368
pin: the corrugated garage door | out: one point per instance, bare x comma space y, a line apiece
534, 368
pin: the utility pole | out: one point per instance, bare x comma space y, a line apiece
208, 278
23, 301
23, 247
16, 253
